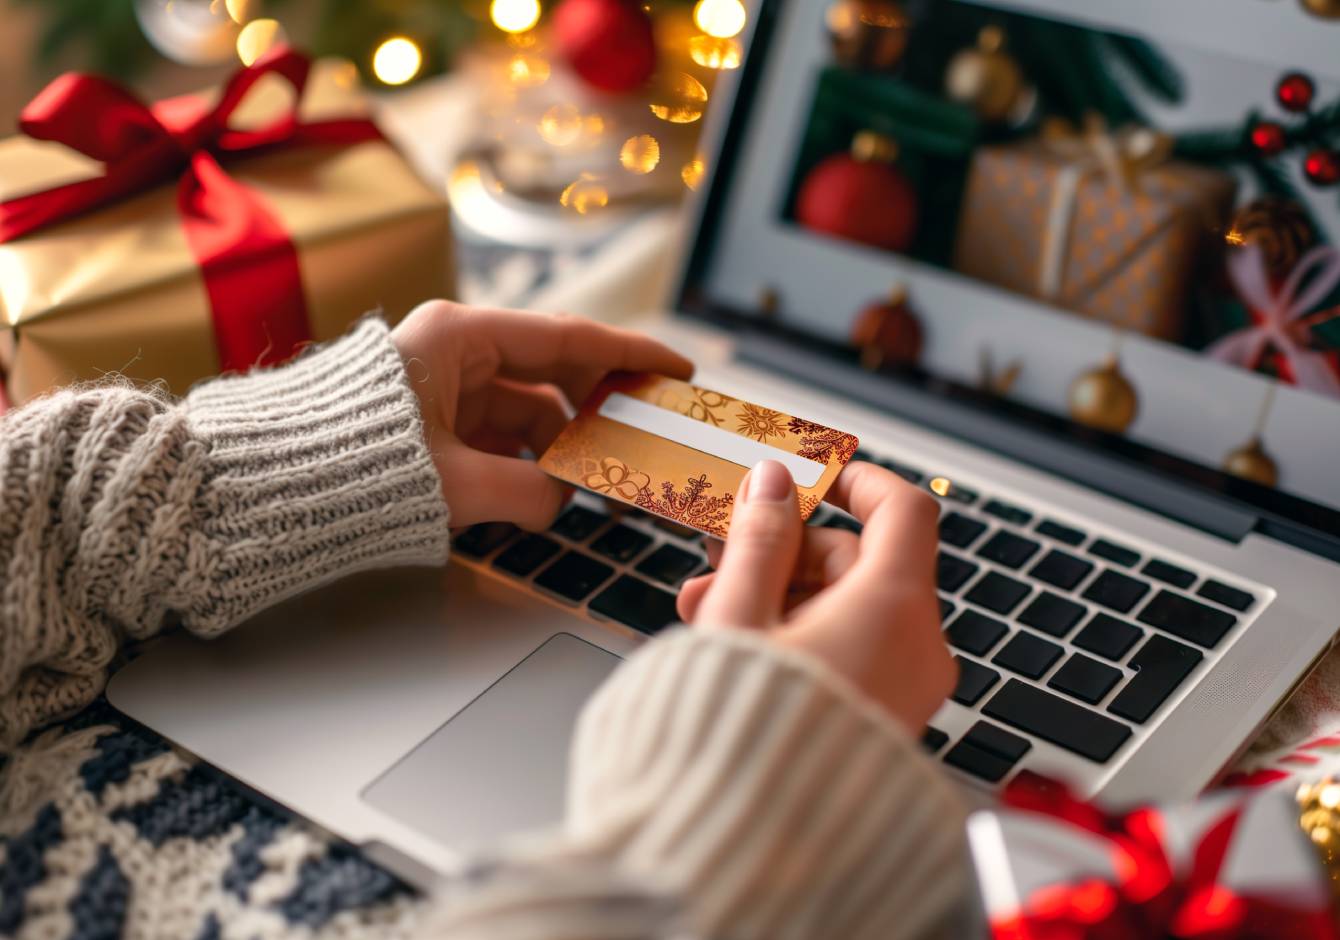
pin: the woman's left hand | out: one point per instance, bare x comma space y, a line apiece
492, 382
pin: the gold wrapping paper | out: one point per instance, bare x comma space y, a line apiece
1130, 253
118, 290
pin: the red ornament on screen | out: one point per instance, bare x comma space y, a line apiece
1267, 138
1295, 92
1322, 167
609, 43
867, 202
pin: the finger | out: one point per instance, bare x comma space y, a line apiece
492, 488
534, 413
691, 594
765, 532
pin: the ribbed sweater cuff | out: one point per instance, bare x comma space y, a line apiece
768, 792
315, 470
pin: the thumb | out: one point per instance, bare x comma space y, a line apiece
483, 487
749, 589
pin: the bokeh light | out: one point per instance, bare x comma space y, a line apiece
526, 71
680, 102
561, 125
640, 154
584, 195
242, 11
257, 38
396, 61
514, 16
693, 172
712, 52
720, 18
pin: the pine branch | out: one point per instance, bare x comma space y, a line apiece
1156, 73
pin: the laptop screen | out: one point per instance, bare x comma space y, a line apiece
1117, 218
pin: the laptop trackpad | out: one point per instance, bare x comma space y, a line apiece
499, 765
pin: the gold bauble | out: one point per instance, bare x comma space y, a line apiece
1326, 9
1251, 462
868, 34
1103, 398
986, 78
1279, 227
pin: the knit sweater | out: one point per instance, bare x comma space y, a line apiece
721, 785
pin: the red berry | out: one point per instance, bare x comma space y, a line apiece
1295, 92
1322, 167
1268, 138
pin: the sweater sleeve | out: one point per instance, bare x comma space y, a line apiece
729, 788
122, 511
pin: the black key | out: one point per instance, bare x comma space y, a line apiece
951, 571
975, 632
1007, 512
863, 454
1006, 548
1028, 655
978, 761
973, 681
997, 592
679, 531
574, 576
578, 523
1169, 573
998, 741
932, 739
1221, 593
478, 540
669, 564
904, 471
1052, 614
1116, 590
1057, 720
1107, 636
1162, 666
1062, 533
1191, 620
946, 608
959, 530
1061, 569
960, 494
621, 543
1086, 679
1120, 554
636, 603
526, 554
839, 520
820, 516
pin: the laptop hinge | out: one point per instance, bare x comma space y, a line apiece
1122, 478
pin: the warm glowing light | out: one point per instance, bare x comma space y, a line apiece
692, 173
682, 101
1329, 796
396, 61
242, 11
527, 71
712, 52
1234, 236
720, 18
514, 16
640, 154
940, 486
257, 38
561, 125
594, 125
344, 73
585, 195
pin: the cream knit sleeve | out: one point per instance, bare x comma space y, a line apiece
123, 511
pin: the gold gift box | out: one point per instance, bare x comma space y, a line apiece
1131, 251
118, 290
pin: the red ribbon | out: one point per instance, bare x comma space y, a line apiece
1147, 899
249, 264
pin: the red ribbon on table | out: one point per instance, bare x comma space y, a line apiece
1147, 899
249, 264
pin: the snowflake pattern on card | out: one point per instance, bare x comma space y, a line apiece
760, 423
692, 505
808, 504
705, 405
821, 443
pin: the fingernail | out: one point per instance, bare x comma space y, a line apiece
769, 482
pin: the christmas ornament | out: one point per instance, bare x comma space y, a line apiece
1325, 9
986, 78
1251, 462
191, 32
1103, 398
997, 382
1279, 227
1322, 167
1267, 138
886, 332
609, 43
1295, 92
868, 34
861, 196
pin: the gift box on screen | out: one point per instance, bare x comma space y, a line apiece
1100, 223
1234, 865
205, 233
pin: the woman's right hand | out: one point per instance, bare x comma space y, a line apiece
865, 605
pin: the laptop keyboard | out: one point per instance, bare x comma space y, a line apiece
1060, 635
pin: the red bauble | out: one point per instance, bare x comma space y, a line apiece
1268, 138
609, 43
887, 333
868, 202
1295, 92
1322, 167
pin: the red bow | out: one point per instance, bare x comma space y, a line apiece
250, 266
1147, 899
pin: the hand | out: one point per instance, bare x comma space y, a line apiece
491, 382
866, 605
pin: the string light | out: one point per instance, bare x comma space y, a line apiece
712, 52
683, 104
396, 61
257, 38
720, 18
514, 16
640, 154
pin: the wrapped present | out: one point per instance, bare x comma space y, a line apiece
205, 233
1231, 866
1102, 224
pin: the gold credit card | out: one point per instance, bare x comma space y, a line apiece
680, 451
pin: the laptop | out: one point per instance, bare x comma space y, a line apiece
1125, 614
